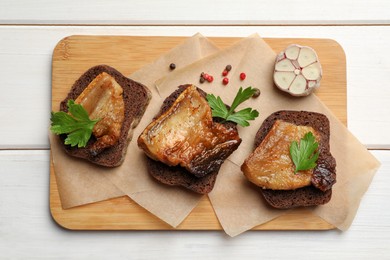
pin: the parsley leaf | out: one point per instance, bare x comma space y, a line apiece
303, 154
242, 96
241, 117
218, 107
77, 125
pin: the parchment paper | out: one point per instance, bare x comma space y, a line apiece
239, 205
79, 185
80, 182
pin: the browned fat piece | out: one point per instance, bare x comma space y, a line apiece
103, 100
283, 191
270, 166
185, 135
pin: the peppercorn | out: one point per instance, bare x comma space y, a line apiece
228, 67
210, 78
242, 75
224, 73
225, 81
172, 66
257, 93
201, 80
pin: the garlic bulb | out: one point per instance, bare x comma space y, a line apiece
297, 70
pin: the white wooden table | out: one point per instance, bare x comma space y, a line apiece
29, 30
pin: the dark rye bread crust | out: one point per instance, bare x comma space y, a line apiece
136, 98
179, 176
324, 175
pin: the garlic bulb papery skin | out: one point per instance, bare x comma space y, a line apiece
297, 70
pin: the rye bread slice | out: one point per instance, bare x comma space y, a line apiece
324, 174
177, 175
136, 98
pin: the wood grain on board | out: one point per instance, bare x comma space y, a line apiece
75, 54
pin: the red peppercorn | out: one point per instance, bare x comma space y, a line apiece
225, 81
224, 73
242, 76
210, 78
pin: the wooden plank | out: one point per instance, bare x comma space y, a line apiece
201, 12
73, 55
124, 214
26, 100
27, 230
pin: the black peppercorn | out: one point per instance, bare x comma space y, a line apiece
172, 66
257, 93
228, 67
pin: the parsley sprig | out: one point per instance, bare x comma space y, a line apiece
241, 117
304, 154
77, 125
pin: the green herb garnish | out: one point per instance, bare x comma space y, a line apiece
303, 154
241, 117
77, 125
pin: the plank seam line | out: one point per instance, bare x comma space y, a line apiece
199, 25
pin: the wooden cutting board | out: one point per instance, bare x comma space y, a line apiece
75, 54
